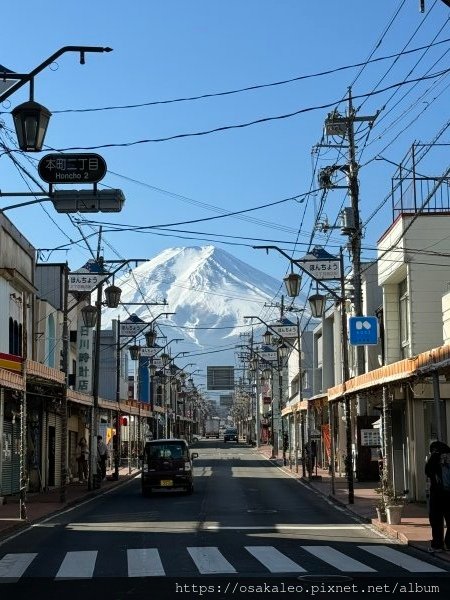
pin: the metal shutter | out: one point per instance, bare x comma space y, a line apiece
10, 447
54, 420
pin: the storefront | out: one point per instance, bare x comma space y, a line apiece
11, 398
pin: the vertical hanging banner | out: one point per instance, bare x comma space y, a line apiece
85, 343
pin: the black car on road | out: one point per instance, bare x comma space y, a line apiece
167, 465
230, 435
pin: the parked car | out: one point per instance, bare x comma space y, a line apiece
167, 465
230, 435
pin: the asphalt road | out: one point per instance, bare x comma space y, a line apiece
247, 521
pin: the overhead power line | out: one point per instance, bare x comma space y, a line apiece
251, 87
250, 123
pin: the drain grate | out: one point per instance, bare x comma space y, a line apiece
261, 511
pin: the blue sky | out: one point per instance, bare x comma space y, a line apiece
179, 48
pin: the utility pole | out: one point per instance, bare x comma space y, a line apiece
23, 415
355, 238
281, 366
94, 479
116, 440
335, 124
65, 370
253, 392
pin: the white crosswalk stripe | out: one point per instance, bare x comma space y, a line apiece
144, 562
78, 565
337, 559
274, 560
13, 566
210, 560
414, 565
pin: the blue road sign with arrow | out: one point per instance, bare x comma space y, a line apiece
363, 331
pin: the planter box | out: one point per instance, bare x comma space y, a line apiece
381, 515
394, 514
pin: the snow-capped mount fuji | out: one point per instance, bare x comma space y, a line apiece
209, 290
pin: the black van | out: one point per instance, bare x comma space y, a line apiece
167, 465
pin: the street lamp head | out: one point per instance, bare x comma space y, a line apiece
112, 296
89, 316
267, 373
31, 121
152, 370
150, 338
267, 337
282, 350
317, 305
134, 352
292, 283
165, 358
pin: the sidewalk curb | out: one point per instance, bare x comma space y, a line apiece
382, 527
27, 524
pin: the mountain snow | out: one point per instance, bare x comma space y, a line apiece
209, 290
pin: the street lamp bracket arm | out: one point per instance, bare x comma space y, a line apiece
28, 77
298, 264
273, 330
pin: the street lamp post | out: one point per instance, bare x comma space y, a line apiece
256, 366
31, 118
267, 336
182, 377
266, 375
317, 303
282, 352
152, 369
167, 360
150, 337
92, 318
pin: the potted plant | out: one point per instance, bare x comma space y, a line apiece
394, 506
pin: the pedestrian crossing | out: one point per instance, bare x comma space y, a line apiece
210, 560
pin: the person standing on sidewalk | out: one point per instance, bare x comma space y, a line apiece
82, 460
437, 469
102, 455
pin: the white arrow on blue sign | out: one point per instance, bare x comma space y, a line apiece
363, 331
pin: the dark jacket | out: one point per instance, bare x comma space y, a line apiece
433, 467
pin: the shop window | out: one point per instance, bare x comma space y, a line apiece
15, 337
429, 421
11, 336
